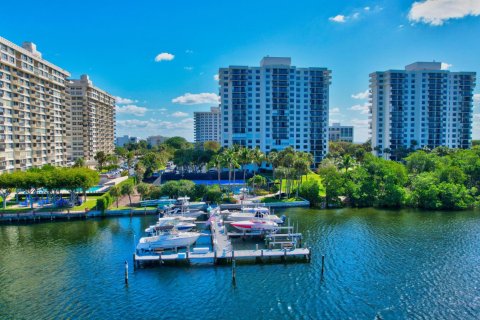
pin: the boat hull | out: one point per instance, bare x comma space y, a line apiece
170, 241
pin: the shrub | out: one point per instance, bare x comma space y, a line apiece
229, 200
261, 192
104, 202
310, 190
213, 194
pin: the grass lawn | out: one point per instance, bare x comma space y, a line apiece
310, 175
89, 204
14, 210
272, 199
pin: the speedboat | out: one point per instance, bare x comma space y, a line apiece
167, 238
178, 223
182, 208
258, 213
256, 225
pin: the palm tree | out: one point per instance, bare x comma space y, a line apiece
217, 162
257, 157
301, 166
127, 190
257, 180
272, 158
115, 192
347, 162
244, 159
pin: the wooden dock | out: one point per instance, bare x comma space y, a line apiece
256, 256
222, 251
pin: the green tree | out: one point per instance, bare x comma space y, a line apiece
257, 181
310, 190
334, 182
139, 171
143, 189
127, 190
115, 192
6, 187
101, 159
79, 163
213, 146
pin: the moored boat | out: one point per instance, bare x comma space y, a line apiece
256, 225
167, 238
258, 213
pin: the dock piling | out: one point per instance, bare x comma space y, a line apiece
126, 272
234, 280
323, 263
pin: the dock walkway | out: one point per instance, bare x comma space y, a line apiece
222, 251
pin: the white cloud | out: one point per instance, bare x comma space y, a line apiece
216, 77
361, 95
120, 100
436, 12
164, 56
363, 123
340, 18
197, 98
144, 128
363, 108
188, 68
446, 66
366, 8
131, 109
334, 111
179, 114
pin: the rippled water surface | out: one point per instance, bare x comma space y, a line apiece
379, 265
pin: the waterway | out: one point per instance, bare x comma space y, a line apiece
379, 265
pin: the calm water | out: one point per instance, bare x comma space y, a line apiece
379, 264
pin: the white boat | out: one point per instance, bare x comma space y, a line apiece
256, 225
178, 223
258, 213
167, 239
182, 208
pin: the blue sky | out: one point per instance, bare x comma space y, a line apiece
117, 42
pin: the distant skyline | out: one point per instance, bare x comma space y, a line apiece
161, 59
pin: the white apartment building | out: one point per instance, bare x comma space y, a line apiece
421, 106
33, 117
207, 125
274, 106
337, 132
121, 141
93, 119
156, 140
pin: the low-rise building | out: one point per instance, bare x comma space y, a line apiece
156, 140
121, 141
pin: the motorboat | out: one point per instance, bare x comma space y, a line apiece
182, 208
167, 238
256, 225
178, 223
258, 213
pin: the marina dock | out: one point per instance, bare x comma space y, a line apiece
222, 252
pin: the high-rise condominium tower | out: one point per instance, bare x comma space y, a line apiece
93, 119
33, 117
207, 125
274, 106
421, 106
